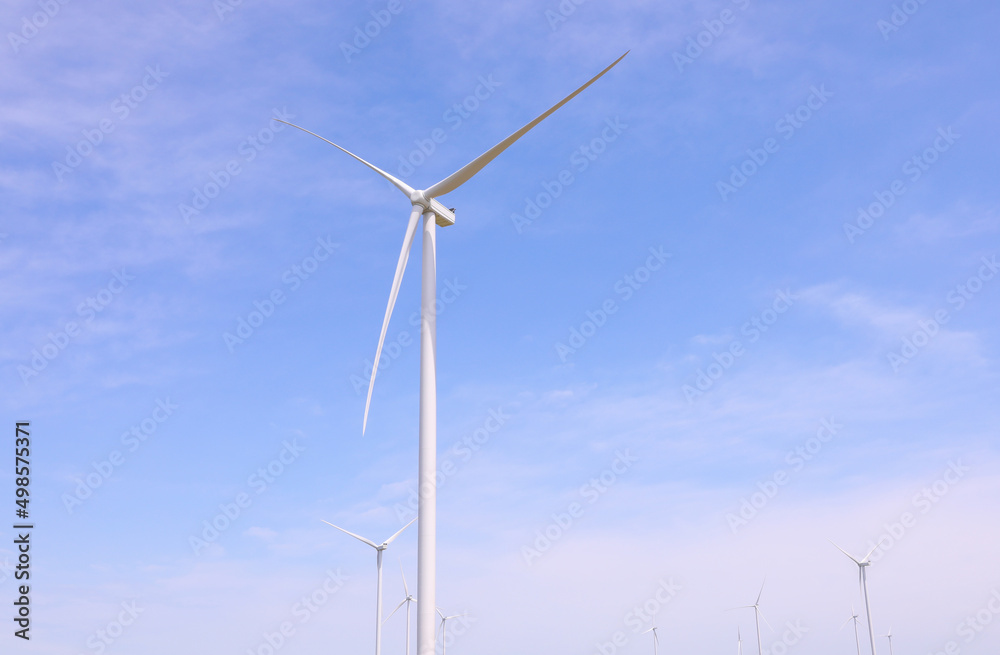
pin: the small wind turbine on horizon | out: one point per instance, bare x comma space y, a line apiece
379, 548
863, 564
757, 615
889, 636
424, 204
739, 642
444, 627
656, 640
409, 599
857, 638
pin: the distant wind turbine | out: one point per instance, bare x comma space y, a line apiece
889, 635
425, 204
409, 599
444, 627
739, 642
863, 564
757, 615
656, 640
378, 589
857, 638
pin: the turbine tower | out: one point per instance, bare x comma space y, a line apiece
379, 548
857, 638
409, 599
863, 564
424, 204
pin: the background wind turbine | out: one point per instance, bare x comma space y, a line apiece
379, 548
424, 204
863, 583
739, 642
757, 615
889, 636
656, 640
444, 627
409, 599
857, 638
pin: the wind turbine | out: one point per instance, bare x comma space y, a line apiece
854, 617
863, 583
757, 615
424, 204
409, 599
444, 626
889, 635
378, 589
739, 642
656, 640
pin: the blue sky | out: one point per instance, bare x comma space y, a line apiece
735, 300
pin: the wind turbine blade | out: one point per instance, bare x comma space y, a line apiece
406, 589
846, 622
404, 254
464, 174
358, 537
877, 546
441, 613
847, 553
394, 611
765, 620
399, 184
757, 602
389, 540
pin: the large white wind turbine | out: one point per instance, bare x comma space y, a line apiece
757, 615
379, 548
424, 204
863, 564
409, 599
857, 638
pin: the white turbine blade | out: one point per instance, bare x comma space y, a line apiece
399, 184
762, 616
404, 254
394, 611
757, 602
846, 622
359, 538
464, 174
877, 546
847, 553
406, 589
441, 613
647, 630
389, 540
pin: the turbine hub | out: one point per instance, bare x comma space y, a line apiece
419, 198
